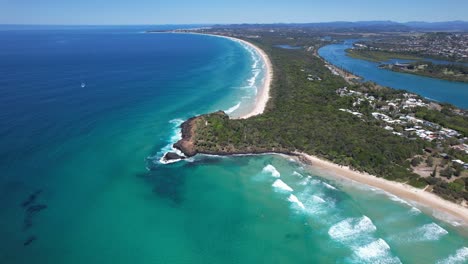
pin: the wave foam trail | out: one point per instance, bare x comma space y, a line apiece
232, 109
377, 251
295, 173
415, 211
272, 170
281, 185
176, 135
292, 198
318, 199
461, 256
329, 186
428, 232
351, 227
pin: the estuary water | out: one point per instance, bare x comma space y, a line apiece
455, 93
85, 115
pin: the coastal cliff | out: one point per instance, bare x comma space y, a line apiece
309, 116
198, 133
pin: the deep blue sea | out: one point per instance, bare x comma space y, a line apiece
444, 91
85, 115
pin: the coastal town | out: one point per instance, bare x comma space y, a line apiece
449, 46
398, 114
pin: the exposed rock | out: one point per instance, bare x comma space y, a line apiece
172, 156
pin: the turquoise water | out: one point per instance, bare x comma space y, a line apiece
93, 153
455, 93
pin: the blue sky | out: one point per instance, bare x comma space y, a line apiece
99, 12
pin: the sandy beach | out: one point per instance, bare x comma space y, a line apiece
263, 94
428, 202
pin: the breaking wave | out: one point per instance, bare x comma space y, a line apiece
272, 170
176, 135
461, 256
293, 199
350, 228
428, 232
232, 109
377, 251
329, 186
279, 184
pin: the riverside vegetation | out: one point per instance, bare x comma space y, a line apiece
303, 115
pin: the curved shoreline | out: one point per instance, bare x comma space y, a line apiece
263, 93
422, 198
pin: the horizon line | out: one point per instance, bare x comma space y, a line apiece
238, 23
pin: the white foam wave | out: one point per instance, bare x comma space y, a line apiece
176, 135
292, 198
295, 173
351, 228
377, 251
232, 109
397, 199
281, 185
461, 256
329, 186
415, 211
428, 232
318, 199
272, 170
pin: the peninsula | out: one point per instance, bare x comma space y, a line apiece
305, 117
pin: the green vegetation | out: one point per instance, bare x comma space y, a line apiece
450, 72
303, 116
447, 117
379, 56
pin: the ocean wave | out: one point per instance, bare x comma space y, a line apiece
317, 199
232, 109
272, 170
282, 186
351, 228
415, 211
175, 136
295, 173
397, 199
377, 251
428, 232
329, 186
461, 256
292, 198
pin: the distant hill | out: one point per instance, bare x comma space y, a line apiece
365, 26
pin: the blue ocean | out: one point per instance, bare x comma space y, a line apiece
85, 115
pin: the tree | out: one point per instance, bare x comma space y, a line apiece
447, 172
434, 172
430, 161
415, 161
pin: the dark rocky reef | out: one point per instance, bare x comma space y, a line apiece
172, 156
31, 198
186, 144
28, 241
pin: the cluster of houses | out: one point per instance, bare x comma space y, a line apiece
332, 69
408, 125
441, 45
311, 77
